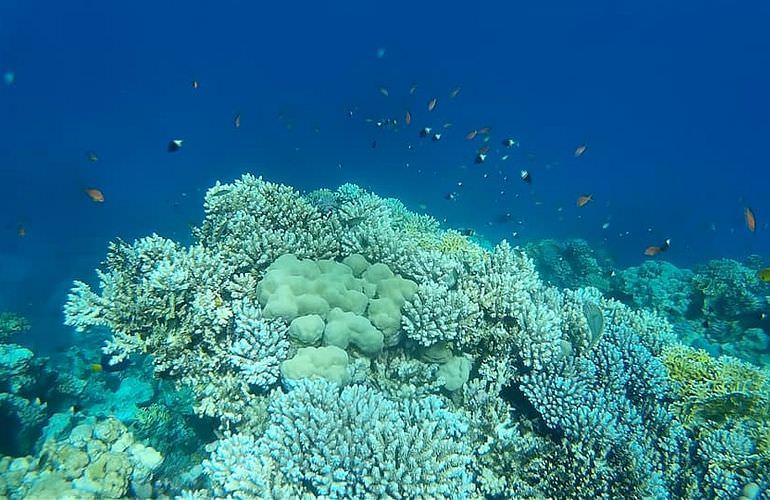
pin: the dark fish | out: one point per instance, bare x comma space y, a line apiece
195, 84
451, 196
174, 145
425, 132
374, 143
467, 231
480, 158
525, 176
436, 137
508, 143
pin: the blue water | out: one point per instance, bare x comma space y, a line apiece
671, 100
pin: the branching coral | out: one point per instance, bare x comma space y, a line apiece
352, 443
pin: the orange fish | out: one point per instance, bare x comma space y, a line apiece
432, 104
583, 200
21, 231
195, 84
580, 150
237, 121
95, 195
408, 117
471, 135
751, 221
96, 367
651, 251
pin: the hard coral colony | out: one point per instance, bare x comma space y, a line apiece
347, 347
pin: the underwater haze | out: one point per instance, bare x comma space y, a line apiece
523, 202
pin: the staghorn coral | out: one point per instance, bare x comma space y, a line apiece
352, 443
176, 304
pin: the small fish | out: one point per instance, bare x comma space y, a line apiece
466, 231
484, 149
480, 158
612, 273
21, 231
408, 118
425, 132
447, 125
651, 251
605, 225
237, 121
96, 367
455, 92
436, 137
374, 143
525, 176
432, 104
384, 91
504, 157
413, 89
471, 135
508, 143
764, 275
485, 130
451, 196
93, 157
751, 221
580, 150
584, 200
174, 145
422, 206
95, 194
195, 84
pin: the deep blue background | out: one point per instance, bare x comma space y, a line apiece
672, 101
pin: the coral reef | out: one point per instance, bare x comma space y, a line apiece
11, 324
345, 347
352, 443
99, 459
656, 285
569, 264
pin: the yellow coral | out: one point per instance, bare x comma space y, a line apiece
714, 391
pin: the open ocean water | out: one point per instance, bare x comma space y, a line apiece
620, 146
